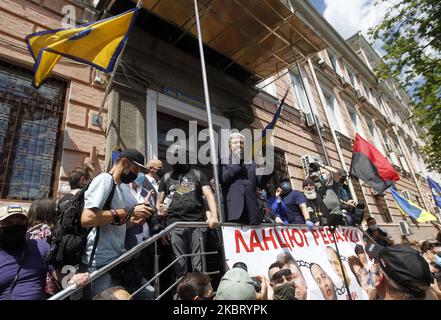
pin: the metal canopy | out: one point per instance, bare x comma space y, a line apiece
262, 36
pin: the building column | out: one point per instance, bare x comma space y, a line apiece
151, 132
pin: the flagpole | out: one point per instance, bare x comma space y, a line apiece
334, 136
213, 151
96, 119
409, 164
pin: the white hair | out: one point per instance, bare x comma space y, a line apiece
235, 135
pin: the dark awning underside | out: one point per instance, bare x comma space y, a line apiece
262, 36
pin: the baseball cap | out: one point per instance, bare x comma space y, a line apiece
358, 249
373, 250
7, 211
236, 284
134, 156
406, 267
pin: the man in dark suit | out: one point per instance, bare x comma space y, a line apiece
239, 182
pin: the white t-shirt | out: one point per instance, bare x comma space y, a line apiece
111, 238
133, 197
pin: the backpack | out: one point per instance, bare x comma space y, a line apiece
69, 237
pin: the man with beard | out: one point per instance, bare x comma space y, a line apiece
290, 205
23, 267
184, 187
313, 205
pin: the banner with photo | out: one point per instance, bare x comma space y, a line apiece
310, 255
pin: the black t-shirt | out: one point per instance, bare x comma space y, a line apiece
187, 203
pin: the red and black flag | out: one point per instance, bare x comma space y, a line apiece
371, 166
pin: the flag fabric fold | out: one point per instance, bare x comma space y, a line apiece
97, 44
371, 166
267, 131
409, 208
436, 191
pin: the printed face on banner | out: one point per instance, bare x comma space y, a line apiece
310, 255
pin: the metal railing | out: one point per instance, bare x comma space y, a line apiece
136, 249
131, 253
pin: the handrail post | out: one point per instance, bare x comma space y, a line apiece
203, 259
156, 270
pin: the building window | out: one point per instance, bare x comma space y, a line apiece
300, 93
355, 118
375, 137
280, 171
353, 78
333, 59
389, 149
334, 113
30, 122
269, 86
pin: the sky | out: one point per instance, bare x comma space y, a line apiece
350, 16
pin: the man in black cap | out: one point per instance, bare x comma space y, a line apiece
110, 224
403, 273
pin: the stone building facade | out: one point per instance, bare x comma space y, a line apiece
158, 87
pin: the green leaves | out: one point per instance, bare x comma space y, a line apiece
411, 33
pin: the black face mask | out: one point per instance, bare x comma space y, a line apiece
129, 177
13, 237
181, 168
286, 291
160, 173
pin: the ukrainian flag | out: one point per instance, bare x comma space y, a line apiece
261, 142
411, 209
97, 44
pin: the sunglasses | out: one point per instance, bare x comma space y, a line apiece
278, 277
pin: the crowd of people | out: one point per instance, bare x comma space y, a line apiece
104, 216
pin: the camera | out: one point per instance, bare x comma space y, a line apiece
256, 281
314, 167
358, 213
342, 217
257, 284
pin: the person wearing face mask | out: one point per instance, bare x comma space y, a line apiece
184, 188
290, 205
153, 176
267, 215
281, 281
23, 267
333, 193
377, 234
110, 226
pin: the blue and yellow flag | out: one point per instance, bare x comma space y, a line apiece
411, 209
97, 44
261, 142
436, 191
